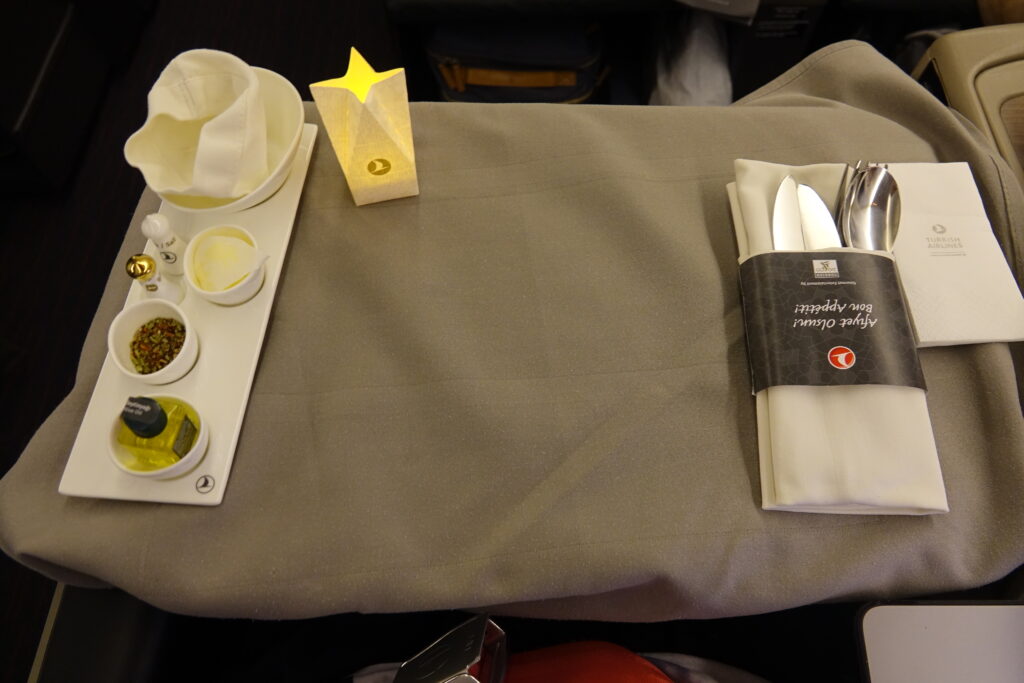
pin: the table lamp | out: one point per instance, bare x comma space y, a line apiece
366, 114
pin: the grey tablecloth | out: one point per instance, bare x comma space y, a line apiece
526, 389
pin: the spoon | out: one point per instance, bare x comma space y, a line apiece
871, 210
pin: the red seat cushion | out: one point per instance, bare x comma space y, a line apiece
585, 662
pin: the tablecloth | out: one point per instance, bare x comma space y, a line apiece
526, 389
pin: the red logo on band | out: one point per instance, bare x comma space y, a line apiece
841, 357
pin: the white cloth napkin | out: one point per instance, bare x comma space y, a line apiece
206, 132
864, 449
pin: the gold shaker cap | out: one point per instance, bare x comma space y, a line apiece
141, 267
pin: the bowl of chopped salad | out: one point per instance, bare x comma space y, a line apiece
153, 341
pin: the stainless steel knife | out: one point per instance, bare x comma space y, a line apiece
786, 232
818, 228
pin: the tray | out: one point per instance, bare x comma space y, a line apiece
230, 340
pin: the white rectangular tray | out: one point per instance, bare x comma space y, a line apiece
230, 340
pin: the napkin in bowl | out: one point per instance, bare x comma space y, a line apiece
851, 449
206, 132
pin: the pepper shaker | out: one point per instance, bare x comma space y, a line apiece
143, 269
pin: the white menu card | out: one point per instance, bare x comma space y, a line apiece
958, 285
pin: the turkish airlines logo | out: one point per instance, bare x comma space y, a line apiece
378, 166
841, 357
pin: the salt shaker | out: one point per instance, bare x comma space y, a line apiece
171, 248
143, 269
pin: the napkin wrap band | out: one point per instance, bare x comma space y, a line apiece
826, 318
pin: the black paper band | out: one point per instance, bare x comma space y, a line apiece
827, 318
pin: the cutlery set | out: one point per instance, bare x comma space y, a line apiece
830, 345
869, 214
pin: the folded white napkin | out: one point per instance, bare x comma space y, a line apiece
206, 131
851, 449
950, 259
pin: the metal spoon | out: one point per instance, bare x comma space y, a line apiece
871, 210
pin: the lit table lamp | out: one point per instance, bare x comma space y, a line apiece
366, 115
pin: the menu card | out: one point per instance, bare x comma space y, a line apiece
957, 283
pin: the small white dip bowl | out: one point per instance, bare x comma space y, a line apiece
241, 291
134, 316
122, 456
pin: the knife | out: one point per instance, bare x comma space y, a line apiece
786, 232
818, 227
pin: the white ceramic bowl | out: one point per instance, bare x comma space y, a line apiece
242, 291
128, 321
285, 116
122, 456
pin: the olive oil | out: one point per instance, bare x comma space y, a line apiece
158, 432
